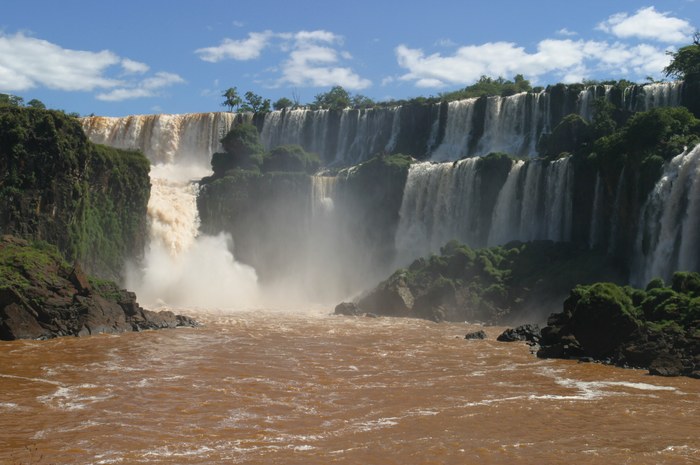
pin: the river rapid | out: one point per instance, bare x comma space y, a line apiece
264, 387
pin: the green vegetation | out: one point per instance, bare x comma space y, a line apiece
686, 61
22, 263
244, 151
497, 284
486, 87
283, 103
88, 200
291, 158
231, 99
603, 317
255, 103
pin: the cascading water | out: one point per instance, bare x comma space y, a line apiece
180, 265
442, 201
669, 237
439, 204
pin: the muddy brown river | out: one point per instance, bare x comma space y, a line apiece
265, 387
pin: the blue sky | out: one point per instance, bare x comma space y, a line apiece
177, 56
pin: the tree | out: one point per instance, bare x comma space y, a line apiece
361, 101
243, 150
232, 99
255, 103
35, 103
686, 61
335, 99
283, 103
12, 100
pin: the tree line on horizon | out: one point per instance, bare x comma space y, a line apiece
685, 63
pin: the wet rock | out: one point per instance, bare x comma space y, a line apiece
347, 309
476, 335
41, 297
529, 333
391, 298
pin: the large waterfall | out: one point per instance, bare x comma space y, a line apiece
669, 236
180, 264
480, 204
441, 132
443, 201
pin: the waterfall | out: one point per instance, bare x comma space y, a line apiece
180, 265
505, 225
668, 239
596, 220
455, 143
440, 203
511, 124
559, 198
187, 138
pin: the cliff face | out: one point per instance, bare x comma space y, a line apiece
41, 297
310, 233
55, 185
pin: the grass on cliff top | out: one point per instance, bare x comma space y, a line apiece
22, 263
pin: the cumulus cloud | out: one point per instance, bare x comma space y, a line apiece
570, 60
313, 58
647, 23
27, 62
134, 67
149, 87
244, 49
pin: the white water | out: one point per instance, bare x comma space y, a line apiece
442, 202
181, 267
669, 236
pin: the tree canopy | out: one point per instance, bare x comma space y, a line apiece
686, 61
255, 103
232, 99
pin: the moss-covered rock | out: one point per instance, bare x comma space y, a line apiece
515, 282
656, 328
55, 185
41, 296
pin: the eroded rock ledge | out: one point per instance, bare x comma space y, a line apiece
43, 297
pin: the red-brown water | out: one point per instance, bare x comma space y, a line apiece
280, 388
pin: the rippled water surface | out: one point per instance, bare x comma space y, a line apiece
282, 388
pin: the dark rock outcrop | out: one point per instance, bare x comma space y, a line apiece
529, 333
476, 335
42, 297
348, 309
495, 285
657, 328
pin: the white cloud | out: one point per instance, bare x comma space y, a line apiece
647, 23
244, 49
566, 33
28, 62
134, 67
312, 62
149, 87
313, 58
568, 59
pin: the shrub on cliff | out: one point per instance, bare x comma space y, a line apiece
290, 158
55, 185
243, 150
494, 284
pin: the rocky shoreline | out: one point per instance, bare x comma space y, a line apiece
42, 297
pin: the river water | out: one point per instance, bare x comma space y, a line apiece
263, 387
